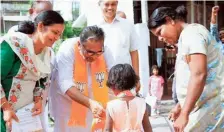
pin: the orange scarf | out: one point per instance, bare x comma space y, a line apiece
99, 88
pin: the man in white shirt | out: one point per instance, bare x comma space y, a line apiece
37, 7
120, 42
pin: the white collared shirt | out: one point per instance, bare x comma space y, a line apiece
120, 40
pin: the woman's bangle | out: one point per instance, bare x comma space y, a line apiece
3, 103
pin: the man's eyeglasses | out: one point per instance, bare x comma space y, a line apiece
92, 53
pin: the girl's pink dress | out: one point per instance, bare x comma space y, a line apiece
127, 118
156, 86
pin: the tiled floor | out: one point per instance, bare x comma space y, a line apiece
160, 124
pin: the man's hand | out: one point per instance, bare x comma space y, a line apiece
97, 109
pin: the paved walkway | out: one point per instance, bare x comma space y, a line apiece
159, 123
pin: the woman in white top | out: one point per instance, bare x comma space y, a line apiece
127, 113
199, 71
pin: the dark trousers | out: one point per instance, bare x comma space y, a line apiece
174, 93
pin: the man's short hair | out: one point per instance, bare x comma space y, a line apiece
121, 14
91, 32
36, 2
99, 1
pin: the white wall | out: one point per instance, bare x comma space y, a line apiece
65, 8
91, 6
127, 7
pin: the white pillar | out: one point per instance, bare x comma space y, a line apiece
144, 11
192, 11
127, 7
144, 41
204, 12
143, 36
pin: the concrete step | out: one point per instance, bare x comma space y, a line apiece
160, 124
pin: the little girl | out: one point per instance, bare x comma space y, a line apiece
127, 113
156, 88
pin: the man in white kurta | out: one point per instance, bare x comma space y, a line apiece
62, 80
63, 89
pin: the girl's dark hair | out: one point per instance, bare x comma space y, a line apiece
122, 77
47, 18
155, 67
159, 15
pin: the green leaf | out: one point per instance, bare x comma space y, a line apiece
69, 32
